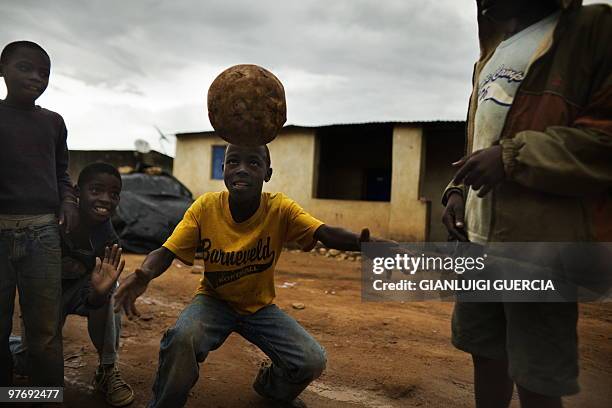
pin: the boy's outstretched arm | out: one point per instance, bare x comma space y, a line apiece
339, 238
156, 263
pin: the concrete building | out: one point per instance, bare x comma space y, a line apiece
386, 176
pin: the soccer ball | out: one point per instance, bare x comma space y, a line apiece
246, 105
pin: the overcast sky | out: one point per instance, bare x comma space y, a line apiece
119, 67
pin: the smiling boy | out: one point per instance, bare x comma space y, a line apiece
242, 231
99, 189
35, 195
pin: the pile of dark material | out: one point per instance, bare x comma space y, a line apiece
150, 207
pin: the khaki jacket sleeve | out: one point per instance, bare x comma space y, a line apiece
570, 161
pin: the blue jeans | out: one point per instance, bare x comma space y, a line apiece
30, 260
297, 358
103, 325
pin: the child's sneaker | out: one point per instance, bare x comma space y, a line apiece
108, 381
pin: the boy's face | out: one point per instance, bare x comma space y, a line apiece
26, 74
244, 171
99, 197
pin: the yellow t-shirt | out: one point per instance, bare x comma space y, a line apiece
239, 258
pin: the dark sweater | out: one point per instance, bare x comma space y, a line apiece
100, 237
33, 161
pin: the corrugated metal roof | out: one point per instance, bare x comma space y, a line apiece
293, 126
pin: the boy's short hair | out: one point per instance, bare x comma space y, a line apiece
10, 49
268, 160
94, 169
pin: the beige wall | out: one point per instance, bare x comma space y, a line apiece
292, 154
293, 163
353, 215
408, 218
192, 163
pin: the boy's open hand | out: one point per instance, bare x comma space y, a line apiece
130, 289
105, 273
69, 216
391, 248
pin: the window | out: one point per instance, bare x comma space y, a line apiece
353, 162
218, 154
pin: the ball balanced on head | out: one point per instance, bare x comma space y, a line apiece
246, 105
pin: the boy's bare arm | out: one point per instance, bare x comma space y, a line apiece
156, 263
339, 238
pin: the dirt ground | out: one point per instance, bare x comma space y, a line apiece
380, 355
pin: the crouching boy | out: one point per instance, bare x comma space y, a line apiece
242, 232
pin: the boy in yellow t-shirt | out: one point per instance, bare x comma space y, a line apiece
242, 232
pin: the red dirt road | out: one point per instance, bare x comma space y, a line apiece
381, 355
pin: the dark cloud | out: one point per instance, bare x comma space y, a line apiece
341, 60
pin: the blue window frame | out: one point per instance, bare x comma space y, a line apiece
218, 154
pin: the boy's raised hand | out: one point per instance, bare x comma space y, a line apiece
105, 274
